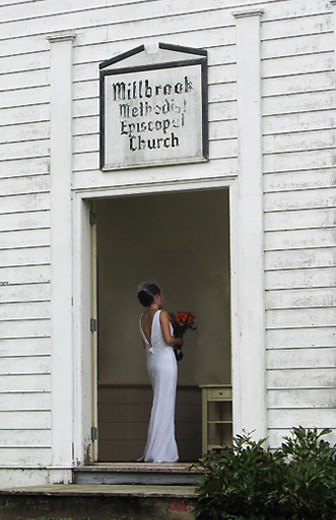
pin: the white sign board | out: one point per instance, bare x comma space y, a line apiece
153, 115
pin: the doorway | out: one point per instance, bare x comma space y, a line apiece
182, 241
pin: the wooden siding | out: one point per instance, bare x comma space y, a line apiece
24, 251
298, 85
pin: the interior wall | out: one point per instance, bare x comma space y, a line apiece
181, 240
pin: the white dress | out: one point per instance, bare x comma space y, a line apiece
162, 370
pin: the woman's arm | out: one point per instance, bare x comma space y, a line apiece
165, 328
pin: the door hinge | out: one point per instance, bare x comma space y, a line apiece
93, 325
94, 433
92, 218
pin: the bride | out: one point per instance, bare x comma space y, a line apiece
156, 332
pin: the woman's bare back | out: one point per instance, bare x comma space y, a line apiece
146, 323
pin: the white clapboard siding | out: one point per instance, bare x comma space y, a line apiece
26, 167
293, 180
25, 328
300, 199
25, 383
300, 102
222, 111
22, 80
27, 131
32, 62
302, 358
204, 26
24, 293
295, 8
24, 251
24, 256
298, 89
25, 457
24, 347
306, 417
122, 18
223, 148
29, 96
296, 298
25, 114
21, 203
276, 437
223, 129
298, 278
39, 148
223, 92
303, 398
24, 238
86, 90
218, 54
295, 239
302, 317
29, 10
301, 258
289, 65
24, 184
304, 219
296, 122
18, 310
25, 438
298, 45
90, 177
216, 73
23, 46
305, 377
24, 401
114, 43
30, 274
24, 221
10, 366
21, 419
298, 83
301, 160
299, 141
292, 26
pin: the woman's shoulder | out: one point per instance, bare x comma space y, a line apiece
164, 315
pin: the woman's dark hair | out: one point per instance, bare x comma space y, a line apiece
147, 293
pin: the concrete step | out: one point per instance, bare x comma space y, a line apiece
139, 473
98, 502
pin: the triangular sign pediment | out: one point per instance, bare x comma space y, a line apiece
152, 53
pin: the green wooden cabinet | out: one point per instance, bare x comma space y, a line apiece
216, 416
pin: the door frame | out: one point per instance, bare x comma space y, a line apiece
85, 373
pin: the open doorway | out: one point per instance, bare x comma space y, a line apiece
182, 241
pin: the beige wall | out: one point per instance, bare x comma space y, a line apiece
181, 240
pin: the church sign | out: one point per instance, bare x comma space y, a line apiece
154, 112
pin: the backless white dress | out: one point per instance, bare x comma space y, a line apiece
162, 370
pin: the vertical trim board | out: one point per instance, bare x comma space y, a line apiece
61, 247
252, 404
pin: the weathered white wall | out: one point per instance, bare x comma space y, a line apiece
182, 241
298, 104
298, 108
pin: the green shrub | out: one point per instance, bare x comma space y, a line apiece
249, 481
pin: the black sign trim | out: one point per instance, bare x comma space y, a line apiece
201, 61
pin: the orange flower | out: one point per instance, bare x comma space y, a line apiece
182, 321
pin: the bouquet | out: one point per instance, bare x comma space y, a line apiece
181, 322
